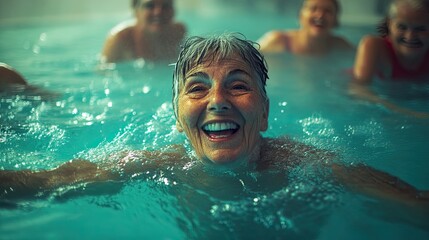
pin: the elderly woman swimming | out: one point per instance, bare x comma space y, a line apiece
221, 105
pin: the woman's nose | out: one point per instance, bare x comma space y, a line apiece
157, 10
218, 101
410, 34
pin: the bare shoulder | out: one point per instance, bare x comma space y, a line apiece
165, 155
8, 75
278, 35
371, 42
286, 152
123, 27
121, 32
118, 45
274, 41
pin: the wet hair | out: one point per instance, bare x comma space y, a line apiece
392, 10
198, 50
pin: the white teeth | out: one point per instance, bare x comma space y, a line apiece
318, 22
220, 126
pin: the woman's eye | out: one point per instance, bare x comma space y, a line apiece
196, 89
401, 27
420, 29
240, 88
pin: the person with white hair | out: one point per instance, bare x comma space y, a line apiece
400, 53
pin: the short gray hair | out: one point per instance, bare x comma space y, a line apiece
414, 4
197, 50
392, 10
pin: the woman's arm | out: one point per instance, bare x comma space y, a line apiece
367, 65
20, 184
372, 182
367, 60
118, 166
364, 92
400, 201
111, 50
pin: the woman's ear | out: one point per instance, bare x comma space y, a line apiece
265, 114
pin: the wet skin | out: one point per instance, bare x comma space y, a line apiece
222, 111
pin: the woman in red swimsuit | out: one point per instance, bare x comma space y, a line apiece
400, 53
402, 50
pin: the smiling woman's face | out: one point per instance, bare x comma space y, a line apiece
318, 17
409, 32
154, 14
222, 111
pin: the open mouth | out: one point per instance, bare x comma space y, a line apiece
157, 21
320, 23
220, 129
411, 44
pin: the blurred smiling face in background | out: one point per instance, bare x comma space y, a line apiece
319, 16
409, 31
154, 14
222, 111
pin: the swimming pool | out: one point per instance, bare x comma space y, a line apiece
128, 107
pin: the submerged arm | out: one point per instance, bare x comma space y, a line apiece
364, 92
18, 184
21, 184
369, 181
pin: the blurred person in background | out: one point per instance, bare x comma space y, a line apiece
153, 35
317, 19
399, 53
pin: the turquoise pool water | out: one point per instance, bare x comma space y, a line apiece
97, 113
